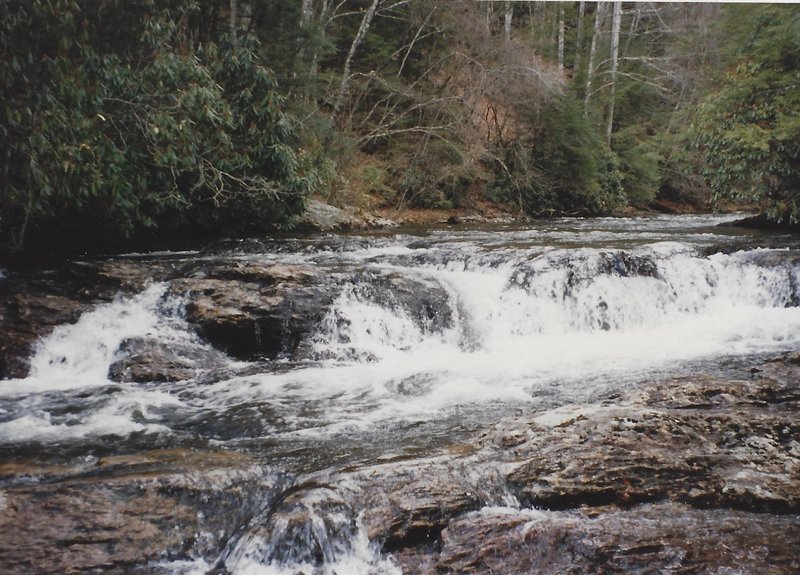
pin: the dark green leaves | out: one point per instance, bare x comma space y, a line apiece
104, 137
750, 129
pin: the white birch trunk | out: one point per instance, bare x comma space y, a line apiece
360, 35
615, 24
598, 25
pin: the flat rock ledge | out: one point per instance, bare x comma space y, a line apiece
686, 475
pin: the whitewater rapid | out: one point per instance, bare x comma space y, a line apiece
529, 316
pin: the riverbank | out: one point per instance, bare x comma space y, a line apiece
323, 217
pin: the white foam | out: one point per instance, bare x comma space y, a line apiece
357, 556
527, 321
523, 325
129, 411
79, 355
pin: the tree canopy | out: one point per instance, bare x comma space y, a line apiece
123, 120
115, 122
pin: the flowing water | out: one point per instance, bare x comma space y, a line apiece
502, 320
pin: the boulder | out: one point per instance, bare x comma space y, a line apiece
267, 318
323, 217
143, 359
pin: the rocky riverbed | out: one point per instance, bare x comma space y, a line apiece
213, 467
690, 475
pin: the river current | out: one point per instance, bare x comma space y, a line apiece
525, 319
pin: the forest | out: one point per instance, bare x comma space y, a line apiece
129, 121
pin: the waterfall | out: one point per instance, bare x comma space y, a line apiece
76, 358
554, 310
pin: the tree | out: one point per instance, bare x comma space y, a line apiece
615, 24
749, 129
599, 17
363, 29
110, 132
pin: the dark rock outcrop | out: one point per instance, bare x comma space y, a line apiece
251, 311
143, 359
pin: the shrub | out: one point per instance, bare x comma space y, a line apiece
105, 140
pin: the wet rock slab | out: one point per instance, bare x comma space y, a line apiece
119, 512
658, 538
691, 475
688, 475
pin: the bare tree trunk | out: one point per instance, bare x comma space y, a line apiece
360, 35
633, 29
579, 38
615, 24
306, 12
508, 18
561, 38
233, 9
599, 16
414, 41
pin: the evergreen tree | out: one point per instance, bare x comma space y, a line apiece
749, 128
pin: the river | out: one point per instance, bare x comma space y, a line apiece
494, 321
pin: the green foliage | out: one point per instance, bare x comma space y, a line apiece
126, 118
639, 164
750, 129
101, 143
561, 166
